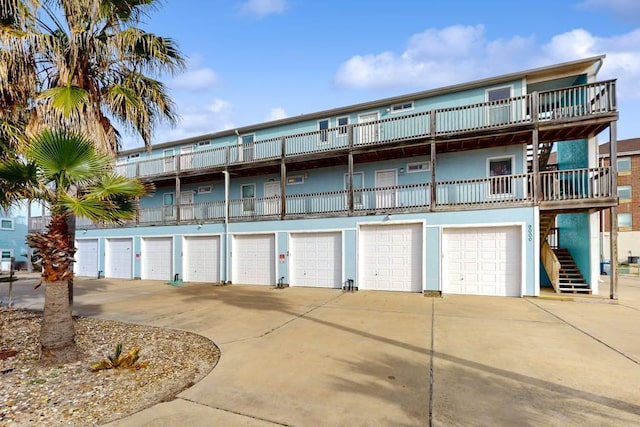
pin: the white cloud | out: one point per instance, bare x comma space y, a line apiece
622, 10
262, 8
195, 80
277, 113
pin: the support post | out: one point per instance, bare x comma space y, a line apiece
283, 188
178, 200
350, 189
613, 212
535, 164
432, 160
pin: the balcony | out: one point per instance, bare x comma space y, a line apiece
588, 188
564, 114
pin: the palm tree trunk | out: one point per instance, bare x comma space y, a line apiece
71, 225
57, 342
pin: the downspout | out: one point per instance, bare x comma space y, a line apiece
226, 226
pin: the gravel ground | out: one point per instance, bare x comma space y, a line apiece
72, 394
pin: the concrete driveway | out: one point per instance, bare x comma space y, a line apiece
319, 357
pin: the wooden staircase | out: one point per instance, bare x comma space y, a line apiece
544, 151
571, 280
559, 264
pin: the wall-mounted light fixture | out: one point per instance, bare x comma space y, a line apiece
401, 170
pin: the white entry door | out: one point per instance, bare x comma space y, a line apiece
482, 261
86, 258
201, 262
157, 258
119, 259
386, 194
316, 259
368, 133
272, 198
186, 157
186, 205
390, 257
254, 259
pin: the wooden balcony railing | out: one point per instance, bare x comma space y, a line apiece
573, 102
569, 186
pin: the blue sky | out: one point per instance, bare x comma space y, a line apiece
251, 61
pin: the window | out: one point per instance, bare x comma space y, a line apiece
133, 157
343, 122
624, 193
624, 220
499, 110
205, 189
624, 165
248, 197
297, 179
418, 167
204, 143
499, 170
6, 224
323, 126
405, 106
358, 185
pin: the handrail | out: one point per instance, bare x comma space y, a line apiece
561, 104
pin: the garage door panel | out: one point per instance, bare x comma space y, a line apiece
316, 259
201, 262
157, 258
86, 258
484, 261
254, 259
390, 257
119, 258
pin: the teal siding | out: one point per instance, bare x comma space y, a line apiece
574, 236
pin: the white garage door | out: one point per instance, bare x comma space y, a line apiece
118, 259
254, 259
201, 262
390, 257
316, 259
482, 261
157, 258
86, 258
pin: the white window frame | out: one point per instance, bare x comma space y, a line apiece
490, 185
295, 180
10, 227
323, 134
343, 129
203, 189
625, 214
133, 157
248, 203
246, 149
206, 143
424, 166
490, 108
401, 107
625, 171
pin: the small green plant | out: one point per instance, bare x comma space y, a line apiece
37, 381
117, 360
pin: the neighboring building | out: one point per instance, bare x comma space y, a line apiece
13, 231
441, 191
629, 200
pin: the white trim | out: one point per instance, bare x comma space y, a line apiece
510, 104
11, 227
342, 130
426, 169
490, 193
202, 189
295, 180
402, 109
243, 198
320, 131
536, 252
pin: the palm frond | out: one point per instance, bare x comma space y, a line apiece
67, 100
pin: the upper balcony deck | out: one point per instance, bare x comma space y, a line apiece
564, 114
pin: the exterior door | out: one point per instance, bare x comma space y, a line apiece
86, 264
272, 198
168, 209
390, 257
369, 132
201, 261
169, 161
386, 182
316, 259
186, 205
186, 157
482, 261
157, 258
119, 259
254, 259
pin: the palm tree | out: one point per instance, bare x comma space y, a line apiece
66, 172
86, 66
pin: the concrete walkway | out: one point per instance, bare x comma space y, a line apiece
319, 357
